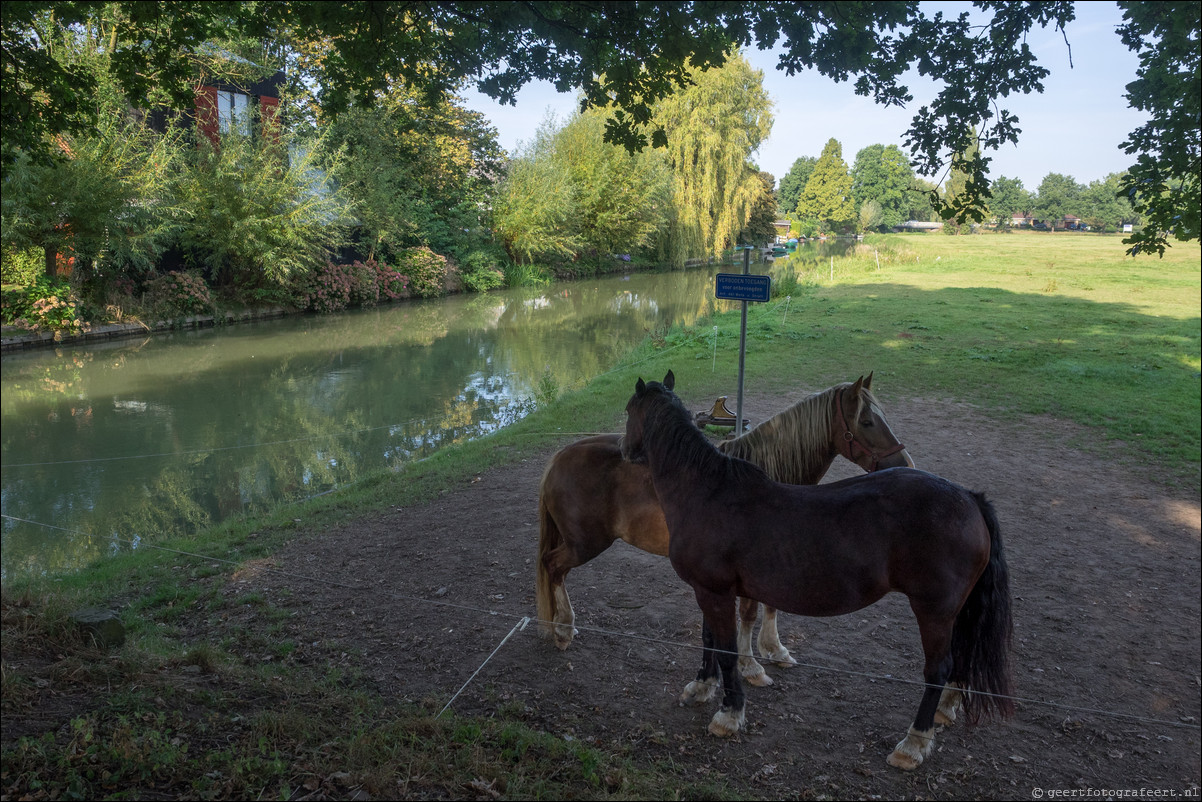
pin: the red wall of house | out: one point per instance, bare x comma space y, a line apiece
206, 113
268, 108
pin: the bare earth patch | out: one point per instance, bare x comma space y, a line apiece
1105, 572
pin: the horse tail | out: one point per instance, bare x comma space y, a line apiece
982, 632
549, 538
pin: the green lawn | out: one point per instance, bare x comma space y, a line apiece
1024, 323
1058, 324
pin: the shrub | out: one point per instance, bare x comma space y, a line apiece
526, 275
326, 289
254, 211
480, 272
365, 284
48, 304
23, 266
179, 294
392, 284
426, 271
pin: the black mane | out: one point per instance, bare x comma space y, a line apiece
677, 435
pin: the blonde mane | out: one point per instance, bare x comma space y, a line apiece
796, 445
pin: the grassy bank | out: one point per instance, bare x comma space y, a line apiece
1021, 324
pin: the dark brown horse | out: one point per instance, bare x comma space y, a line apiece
591, 497
828, 550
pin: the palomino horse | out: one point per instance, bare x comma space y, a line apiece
828, 550
591, 497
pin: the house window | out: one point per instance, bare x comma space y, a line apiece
233, 112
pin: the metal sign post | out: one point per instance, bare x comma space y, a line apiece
742, 287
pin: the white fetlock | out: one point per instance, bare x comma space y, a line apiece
699, 691
913, 749
779, 657
949, 705
772, 649
753, 672
565, 618
564, 634
725, 723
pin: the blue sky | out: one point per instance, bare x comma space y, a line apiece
1075, 127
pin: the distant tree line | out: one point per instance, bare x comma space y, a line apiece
880, 191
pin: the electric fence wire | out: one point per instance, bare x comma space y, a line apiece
522, 620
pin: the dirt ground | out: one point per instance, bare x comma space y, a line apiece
1105, 572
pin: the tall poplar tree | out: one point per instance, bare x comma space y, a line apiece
712, 128
827, 195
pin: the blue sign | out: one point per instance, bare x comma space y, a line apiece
743, 287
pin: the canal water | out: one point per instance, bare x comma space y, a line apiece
138, 440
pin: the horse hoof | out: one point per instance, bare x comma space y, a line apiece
563, 637
760, 680
944, 720
900, 760
912, 750
698, 692
725, 723
784, 660
753, 673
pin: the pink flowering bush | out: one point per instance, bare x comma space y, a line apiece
336, 287
46, 305
326, 289
179, 294
365, 284
392, 283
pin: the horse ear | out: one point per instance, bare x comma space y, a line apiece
670, 380
858, 386
641, 387
868, 381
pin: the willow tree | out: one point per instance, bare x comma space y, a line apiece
570, 194
534, 207
712, 128
622, 198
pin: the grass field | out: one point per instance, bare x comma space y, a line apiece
1021, 324
1026, 323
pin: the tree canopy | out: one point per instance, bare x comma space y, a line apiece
632, 55
882, 174
1010, 197
827, 195
794, 182
712, 128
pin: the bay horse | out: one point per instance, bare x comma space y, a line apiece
828, 550
590, 497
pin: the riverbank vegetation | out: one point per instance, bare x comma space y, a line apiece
370, 181
207, 697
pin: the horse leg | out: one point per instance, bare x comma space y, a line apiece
769, 641
719, 612
949, 704
749, 667
920, 739
564, 542
705, 686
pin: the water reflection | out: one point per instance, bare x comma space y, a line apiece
150, 438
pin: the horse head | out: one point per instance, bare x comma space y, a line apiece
636, 413
865, 436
